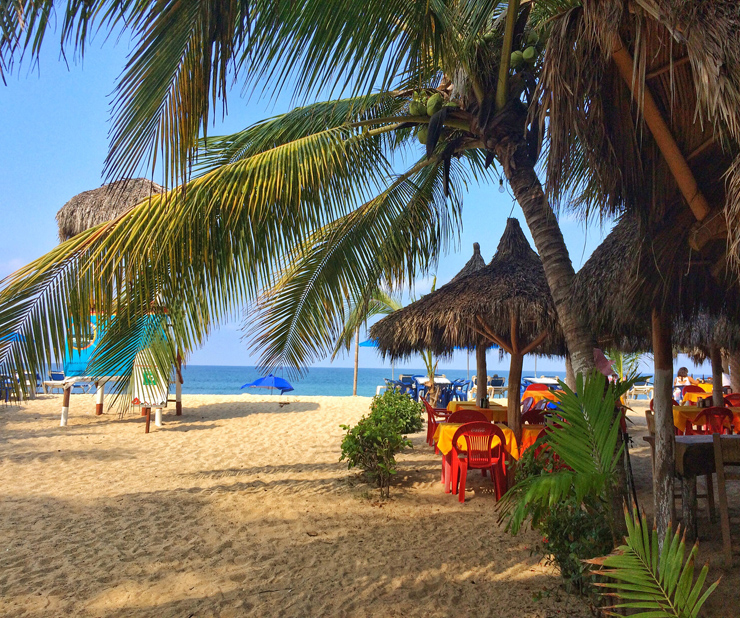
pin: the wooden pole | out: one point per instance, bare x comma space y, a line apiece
65, 407
178, 387
735, 371
481, 373
664, 440
514, 414
718, 395
661, 133
357, 361
99, 398
148, 413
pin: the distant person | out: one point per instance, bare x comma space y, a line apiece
682, 379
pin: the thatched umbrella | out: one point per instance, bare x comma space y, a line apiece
508, 303
91, 208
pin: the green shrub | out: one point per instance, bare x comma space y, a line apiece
394, 404
372, 445
572, 531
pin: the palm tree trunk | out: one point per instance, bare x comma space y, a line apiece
545, 230
570, 377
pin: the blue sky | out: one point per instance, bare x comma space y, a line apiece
54, 142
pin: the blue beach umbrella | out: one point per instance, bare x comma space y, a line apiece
271, 381
369, 343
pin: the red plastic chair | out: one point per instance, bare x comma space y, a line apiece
709, 421
479, 456
434, 417
467, 416
533, 416
732, 400
527, 403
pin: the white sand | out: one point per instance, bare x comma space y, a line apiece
241, 508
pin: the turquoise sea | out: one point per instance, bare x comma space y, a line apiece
337, 381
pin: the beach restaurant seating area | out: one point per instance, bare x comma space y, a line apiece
468, 437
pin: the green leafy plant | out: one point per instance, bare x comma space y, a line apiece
399, 406
584, 436
372, 445
657, 582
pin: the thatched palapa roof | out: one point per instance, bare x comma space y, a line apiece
513, 283
475, 263
90, 208
620, 283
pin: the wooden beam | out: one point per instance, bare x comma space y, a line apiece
701, 148
486, 332
661, 133
713, 227
514, 332
534, 343
667, 67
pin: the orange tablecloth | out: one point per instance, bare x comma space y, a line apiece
454, 406
681, 414
446, 431
540, 395
494, 414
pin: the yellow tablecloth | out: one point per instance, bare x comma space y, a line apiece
682, 414
456, 405
494, 414
446, 431
692, 398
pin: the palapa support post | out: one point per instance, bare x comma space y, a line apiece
99, 398
157, 417
481, 373
143, 411
65, 406
735, 371
148, 413
513, 413
664, 434
718, 395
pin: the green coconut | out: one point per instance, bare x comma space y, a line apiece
533, 38
530, 54
517, 59
417, 108
434, 104
422, 134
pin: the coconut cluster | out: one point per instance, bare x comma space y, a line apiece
424, 104
520, 58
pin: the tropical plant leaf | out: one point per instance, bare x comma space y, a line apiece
664, 586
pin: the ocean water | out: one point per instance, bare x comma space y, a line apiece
319, 381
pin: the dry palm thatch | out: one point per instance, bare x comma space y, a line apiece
687, 55
474, 264
622, 280
91, 208
513, 284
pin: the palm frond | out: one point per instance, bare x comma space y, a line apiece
379, 302
651, 582
390, 240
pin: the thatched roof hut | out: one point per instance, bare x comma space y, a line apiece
91, 208
508, 302
474, 264
452, 316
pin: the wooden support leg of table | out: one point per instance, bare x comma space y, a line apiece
99, 399
143, 411
178, 397
148, 413
710, 498
688, 507
65, 407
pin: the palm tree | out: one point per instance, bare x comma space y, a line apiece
380, 303
286, 190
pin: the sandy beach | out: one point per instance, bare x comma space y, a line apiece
240, 507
